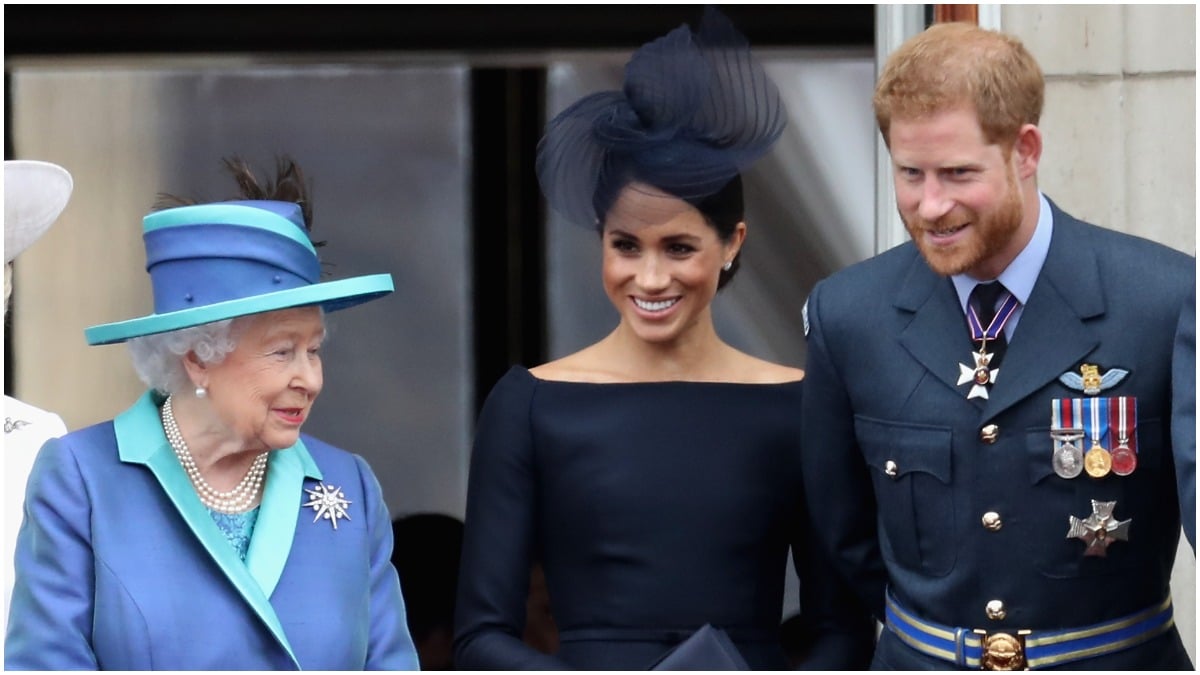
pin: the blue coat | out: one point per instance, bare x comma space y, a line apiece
900, 473
120, 567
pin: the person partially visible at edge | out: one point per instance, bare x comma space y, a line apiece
1183, 415
200, 529
35, 194
655, 474
988, 410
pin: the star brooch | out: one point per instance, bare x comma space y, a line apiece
329, 503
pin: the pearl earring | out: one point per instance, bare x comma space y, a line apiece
201, 392
727, 266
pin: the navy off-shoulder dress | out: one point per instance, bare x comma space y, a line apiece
655, 508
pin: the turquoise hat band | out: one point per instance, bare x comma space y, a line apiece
331, 295
211, 262
231, 213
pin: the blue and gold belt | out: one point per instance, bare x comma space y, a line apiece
1026, 649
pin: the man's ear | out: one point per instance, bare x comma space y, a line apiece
1027, 151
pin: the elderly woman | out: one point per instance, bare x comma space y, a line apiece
200, 530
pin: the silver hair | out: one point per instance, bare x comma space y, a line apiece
158, 359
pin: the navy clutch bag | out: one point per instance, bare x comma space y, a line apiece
708, 648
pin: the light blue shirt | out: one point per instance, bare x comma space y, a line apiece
1021, 274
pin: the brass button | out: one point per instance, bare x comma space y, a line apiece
995, 610
991, 520
890, 468
989, 433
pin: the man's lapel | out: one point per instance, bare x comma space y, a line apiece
1052, 336
937, 334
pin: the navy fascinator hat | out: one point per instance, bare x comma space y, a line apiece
696, 109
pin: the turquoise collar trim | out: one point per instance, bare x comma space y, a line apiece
140, 440
276, 528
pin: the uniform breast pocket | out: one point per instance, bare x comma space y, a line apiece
1053, 500
911, 470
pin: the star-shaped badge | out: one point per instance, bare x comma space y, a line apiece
1099, 529
329, 503
980, 376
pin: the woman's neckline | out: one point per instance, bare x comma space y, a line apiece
731, 383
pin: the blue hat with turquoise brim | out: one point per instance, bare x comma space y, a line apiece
212, 262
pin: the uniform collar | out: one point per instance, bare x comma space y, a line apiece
1022, 273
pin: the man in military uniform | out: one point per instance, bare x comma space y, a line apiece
991, 463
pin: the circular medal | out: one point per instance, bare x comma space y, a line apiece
982, 376
1097, 462
1124, 460
1068, 460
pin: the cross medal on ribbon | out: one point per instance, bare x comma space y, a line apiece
981, 376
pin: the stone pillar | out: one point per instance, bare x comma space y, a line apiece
1120, 139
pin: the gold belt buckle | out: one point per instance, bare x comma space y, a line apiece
1003, 651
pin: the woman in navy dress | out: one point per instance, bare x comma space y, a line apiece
656, 473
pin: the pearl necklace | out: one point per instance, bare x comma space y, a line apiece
238, 500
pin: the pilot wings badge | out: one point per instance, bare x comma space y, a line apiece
1090, 381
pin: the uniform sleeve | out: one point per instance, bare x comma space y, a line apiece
839, 495
837, 628
389, 647
50, 621
1183, 415
498, 537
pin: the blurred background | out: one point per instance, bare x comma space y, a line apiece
417, 126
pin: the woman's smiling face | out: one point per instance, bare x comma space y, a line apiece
662, 261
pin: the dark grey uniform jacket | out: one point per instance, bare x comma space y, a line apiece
885, 342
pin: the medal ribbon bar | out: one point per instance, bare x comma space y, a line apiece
978, 332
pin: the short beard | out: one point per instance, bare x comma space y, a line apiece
993, 232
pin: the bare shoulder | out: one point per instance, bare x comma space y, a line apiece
759, 371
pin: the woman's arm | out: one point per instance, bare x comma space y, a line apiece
839, 630
50, 622
837, 625
498, 538
389, 646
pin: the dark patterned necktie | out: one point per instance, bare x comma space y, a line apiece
983, 300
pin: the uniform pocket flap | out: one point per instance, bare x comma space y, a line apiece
897, 448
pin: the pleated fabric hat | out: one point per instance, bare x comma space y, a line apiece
696, 109
35, 194
210, 262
